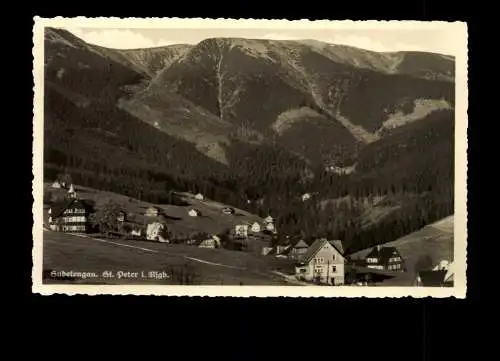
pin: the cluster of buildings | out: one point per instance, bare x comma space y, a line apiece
324, 261
246, 228
321, 262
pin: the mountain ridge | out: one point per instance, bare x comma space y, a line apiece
255, 126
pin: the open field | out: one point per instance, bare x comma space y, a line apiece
66, 252
212, 220
434, 240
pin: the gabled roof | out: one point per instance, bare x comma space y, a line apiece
315, 248
337, 244
301, 244
58, 208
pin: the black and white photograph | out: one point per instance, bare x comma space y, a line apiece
250, 157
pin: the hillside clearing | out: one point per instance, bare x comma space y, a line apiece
212, 220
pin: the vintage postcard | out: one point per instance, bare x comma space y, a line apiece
226, 157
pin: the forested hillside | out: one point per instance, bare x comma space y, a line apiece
253, 124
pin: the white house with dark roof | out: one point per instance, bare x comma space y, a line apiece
69, 216
56, 185
194, 212
256, 228
322, 263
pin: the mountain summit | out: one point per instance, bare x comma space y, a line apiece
257, 123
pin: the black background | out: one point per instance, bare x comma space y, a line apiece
251, 328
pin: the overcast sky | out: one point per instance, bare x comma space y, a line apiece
431, 40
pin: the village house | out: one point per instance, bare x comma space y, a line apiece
270, 227
322, 263
267, 250
199, 197
69, 216
154, 232
121, 216
255, 227
279, 251
136, 232
298, 250
212, 242
306, 197
268, 219
57, 185
228, 210
241, 230
385, 258
194, 212
152, 212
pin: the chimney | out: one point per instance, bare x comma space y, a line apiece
378, 248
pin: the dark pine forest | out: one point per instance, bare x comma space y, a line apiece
106, 148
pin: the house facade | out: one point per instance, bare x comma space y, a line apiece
241, 230
199, 197
385, 259
228, 210
270, 227
323, 263
69, 216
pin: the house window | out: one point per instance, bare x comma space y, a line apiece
318, 269
333, 256
319, 260
334, 269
